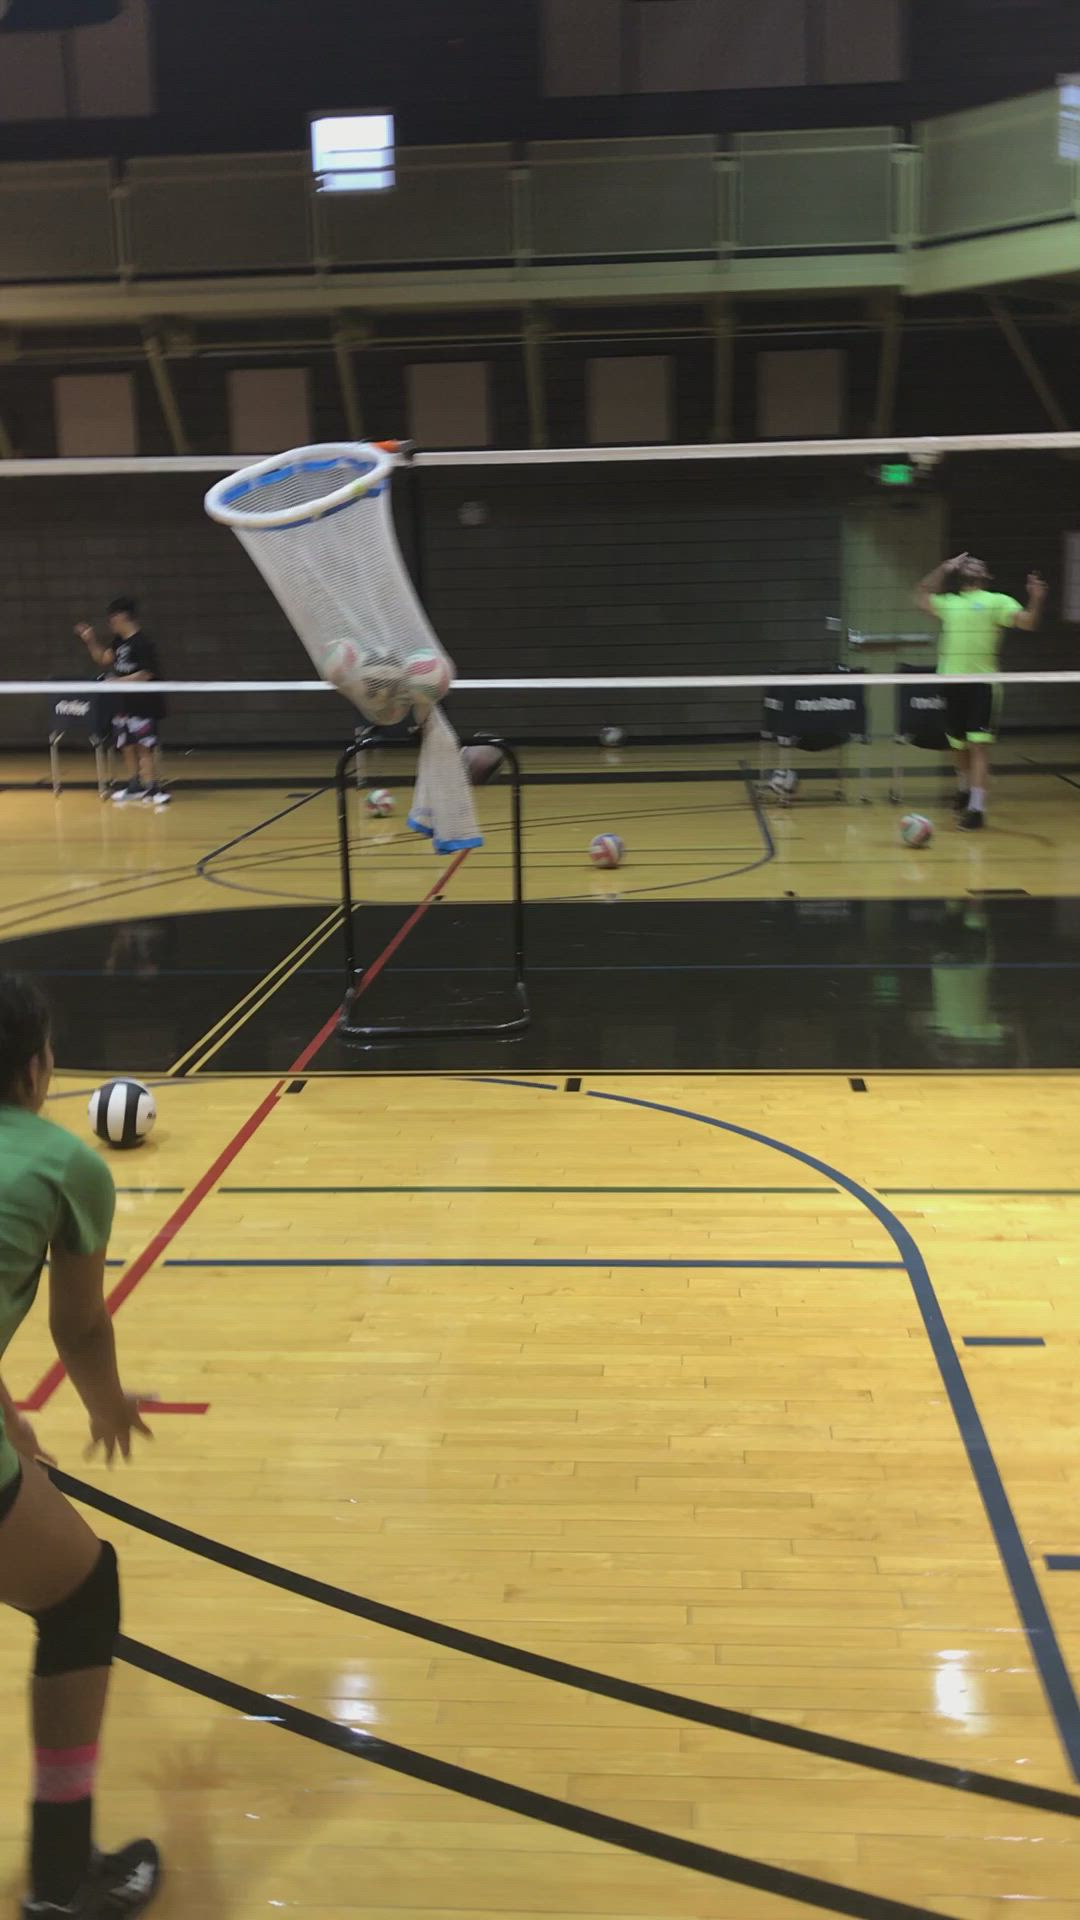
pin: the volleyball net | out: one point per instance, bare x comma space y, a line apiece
654, 590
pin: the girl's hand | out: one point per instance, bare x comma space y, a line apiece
113, 1430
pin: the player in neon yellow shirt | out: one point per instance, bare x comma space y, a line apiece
973, 622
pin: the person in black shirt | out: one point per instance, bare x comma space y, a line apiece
132, 658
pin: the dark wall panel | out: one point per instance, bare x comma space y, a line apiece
610, 572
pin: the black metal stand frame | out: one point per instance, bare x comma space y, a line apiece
354, 974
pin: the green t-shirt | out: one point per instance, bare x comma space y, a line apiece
54, 1192
971, 624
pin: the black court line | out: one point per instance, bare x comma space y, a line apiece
573, 1083
97, 897
540, 1666
1062, 1562
700, 879
226, 846
148, 1192
784, 1882
1003, 1340
506, 1260
1046, 1649
1060, 1193
857, 1084
816, 1191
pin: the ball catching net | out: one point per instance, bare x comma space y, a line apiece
318, 524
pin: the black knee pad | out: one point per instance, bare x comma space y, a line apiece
80, 1632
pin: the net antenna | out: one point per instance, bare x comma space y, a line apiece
318, 524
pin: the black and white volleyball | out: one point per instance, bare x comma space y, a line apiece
122, 1112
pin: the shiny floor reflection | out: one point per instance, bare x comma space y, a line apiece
783, 984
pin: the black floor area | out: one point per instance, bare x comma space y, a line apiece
781, 985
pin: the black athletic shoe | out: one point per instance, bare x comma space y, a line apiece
118, 1886
962, 802
971, 819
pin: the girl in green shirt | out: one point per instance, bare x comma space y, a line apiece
56, 1204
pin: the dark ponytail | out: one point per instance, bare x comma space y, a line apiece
25, 1025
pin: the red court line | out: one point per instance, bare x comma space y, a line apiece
152, 1252
372, 973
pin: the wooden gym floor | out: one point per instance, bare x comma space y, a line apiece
584, 1490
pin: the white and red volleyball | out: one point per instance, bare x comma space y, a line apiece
916, 830
606, 850
427, 676
380, 803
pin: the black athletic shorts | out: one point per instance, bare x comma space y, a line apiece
971, 713
134, 730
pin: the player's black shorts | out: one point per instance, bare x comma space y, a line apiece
134, 730
971, 713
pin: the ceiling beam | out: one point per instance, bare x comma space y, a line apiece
1037, 380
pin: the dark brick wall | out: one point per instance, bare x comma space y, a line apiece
615, 571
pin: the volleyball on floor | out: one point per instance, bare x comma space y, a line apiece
122, 1112
916, 830
380, 802
784, 783
606, 850
612, 736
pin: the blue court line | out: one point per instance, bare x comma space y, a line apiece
1004, 1340
451, 1260
999, 1192
1062, 1562
1034, 1614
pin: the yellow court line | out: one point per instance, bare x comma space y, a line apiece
337, 922
317, 935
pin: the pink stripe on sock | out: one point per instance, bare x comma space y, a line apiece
64, 1774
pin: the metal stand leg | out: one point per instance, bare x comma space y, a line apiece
54, 762
349, 1026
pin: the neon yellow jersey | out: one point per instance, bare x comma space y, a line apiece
971, 629
54, 1192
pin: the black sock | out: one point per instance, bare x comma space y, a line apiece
60, 1848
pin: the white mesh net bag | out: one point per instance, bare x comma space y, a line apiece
317, 523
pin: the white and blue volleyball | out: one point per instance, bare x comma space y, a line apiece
122, 1113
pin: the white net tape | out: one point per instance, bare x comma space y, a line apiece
317, 523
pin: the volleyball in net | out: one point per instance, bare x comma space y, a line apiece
318, 524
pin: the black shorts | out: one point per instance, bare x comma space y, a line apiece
134, 730
971, 713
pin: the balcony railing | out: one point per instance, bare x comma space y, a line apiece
848, 190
